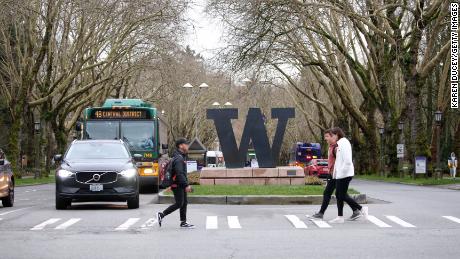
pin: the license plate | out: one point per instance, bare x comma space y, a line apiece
96, 187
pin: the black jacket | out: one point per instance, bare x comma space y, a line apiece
179, 169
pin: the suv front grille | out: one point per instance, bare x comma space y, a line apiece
101, 177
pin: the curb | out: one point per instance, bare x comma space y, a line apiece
31, 184
442, 186
257, 199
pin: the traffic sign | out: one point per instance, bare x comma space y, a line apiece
400, 150
420, 165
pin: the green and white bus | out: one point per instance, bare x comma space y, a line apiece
139, 125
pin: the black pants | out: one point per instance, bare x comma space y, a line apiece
327, 194
180, 196
342, 195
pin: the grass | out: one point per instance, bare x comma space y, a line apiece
408, 180
32, 181
258, 190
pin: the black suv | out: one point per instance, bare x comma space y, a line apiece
97, 170
6, 181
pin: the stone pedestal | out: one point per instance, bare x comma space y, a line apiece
286, 175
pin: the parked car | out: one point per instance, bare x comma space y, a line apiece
97, 170
6, 181
317, 167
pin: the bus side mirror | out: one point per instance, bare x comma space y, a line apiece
78, 126
58, 158
137, 157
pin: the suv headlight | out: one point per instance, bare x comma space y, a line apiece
64, 173
129, 172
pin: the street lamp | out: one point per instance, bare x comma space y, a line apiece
401, 125
401, 141
382, 170
438, 116
438, 119
201, 86
37, 127
246, 81
218, 104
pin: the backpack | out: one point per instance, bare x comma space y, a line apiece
167, 176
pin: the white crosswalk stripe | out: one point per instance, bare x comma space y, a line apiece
45, 223
128, 223
454, 219
149, 223
400, 222
12, 211
68, 223
233, 222
318, 222
211, 222
377, 222
296, 222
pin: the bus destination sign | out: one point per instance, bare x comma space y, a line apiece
119, 114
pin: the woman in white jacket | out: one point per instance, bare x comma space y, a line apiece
343, 173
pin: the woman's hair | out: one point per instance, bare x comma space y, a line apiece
335, 131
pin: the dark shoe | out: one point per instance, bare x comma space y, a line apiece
186, 225
160, 217
317, 215
356, 215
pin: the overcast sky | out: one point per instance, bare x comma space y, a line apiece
205, 34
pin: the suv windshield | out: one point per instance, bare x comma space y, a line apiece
102, 130
139, 135
97, 151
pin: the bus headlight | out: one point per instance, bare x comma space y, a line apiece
148, 171
64, 173
129, 173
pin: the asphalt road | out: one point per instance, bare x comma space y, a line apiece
409, 225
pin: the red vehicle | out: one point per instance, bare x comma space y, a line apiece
317, 167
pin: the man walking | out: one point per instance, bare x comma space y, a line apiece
180, 185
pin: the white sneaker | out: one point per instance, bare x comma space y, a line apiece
338, 220
365, 211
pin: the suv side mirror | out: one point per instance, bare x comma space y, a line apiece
137, 157
58, 158
78, 126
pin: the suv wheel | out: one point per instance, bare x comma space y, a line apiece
134, 202
9, 200
61, 203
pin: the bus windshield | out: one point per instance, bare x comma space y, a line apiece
102, 130
139, 135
